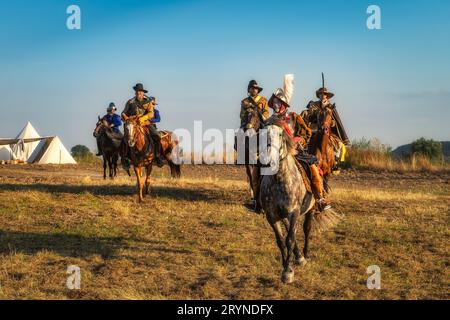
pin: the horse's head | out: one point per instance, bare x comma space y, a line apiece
99, 127
253, 119
279, 144
129, 132
325, 122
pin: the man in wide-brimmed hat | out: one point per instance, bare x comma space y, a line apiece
143, 107
338, 134
312, 112
254, 100
296, 128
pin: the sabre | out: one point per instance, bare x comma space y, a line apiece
323, 81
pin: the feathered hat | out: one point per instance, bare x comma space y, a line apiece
285, 94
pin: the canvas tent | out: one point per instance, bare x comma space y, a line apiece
51, 151
6, 153
30, 147
23, 150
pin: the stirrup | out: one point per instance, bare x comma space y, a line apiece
323, 205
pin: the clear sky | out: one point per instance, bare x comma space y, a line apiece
197, 57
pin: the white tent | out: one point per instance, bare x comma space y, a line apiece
23, 150
6, 153
51, 151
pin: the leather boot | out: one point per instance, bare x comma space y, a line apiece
317, 186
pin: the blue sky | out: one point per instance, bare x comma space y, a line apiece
197, 57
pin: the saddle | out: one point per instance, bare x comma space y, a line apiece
116, 137
163, 133
304, 162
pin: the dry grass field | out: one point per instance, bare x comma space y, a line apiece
193, 239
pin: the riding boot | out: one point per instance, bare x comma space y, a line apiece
317, 188
99, 147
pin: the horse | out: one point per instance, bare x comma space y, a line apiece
284, 198
140, 150
321, 146
110, 148
254, 121
168, 143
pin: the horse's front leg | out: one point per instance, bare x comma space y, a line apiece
288, 273
147, 179
307, 230
115, 160
299, 259
104, 167
138, 172
250, 180
110, 165
276, 226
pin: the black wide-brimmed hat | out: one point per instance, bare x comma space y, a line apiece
254, 84
324, 91
139, 87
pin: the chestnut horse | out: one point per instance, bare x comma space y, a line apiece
110, 148
321, 146
140, 150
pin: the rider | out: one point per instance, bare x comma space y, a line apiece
143, 107
114, 122
312, 113
295, 127
254, 100
156, 117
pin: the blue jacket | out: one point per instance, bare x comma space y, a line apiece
113, 119
156, 117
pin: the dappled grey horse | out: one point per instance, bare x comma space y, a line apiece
284, 198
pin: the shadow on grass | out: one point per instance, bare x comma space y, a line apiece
176, 193
63, 244
78, 246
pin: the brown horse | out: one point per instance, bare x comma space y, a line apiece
321, 146
168, 143
254, 121
140, 151
110, 147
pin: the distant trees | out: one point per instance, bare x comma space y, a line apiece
82, 153
429, 149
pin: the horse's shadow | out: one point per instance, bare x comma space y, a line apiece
171, 192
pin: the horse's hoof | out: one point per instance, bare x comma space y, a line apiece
301, 262
287, 277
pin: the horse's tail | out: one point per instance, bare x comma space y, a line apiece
323, 221
175, 170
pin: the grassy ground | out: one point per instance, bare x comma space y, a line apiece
194, 240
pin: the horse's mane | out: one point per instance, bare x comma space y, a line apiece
289, 143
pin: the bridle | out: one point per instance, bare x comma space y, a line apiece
100, 127
251, 113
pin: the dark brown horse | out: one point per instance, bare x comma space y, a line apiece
254, 121
110, 148
321, 146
